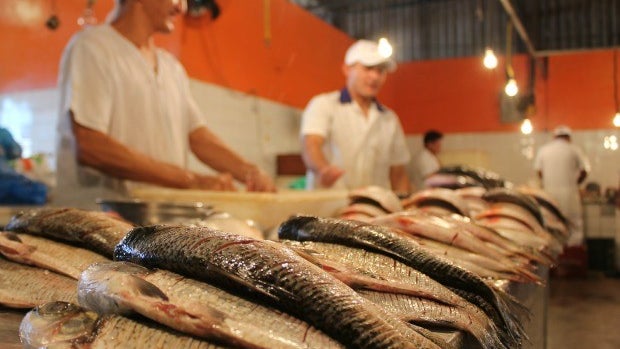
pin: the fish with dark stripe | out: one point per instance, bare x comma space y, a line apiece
275, 272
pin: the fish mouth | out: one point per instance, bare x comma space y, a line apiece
55, 323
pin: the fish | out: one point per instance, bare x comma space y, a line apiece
435, 228
25, 287
363, 208
450, 181
441, 197
377, 196
274, 272
480, 264
381, 269
515, 197
47, 254
481, 176
507, 311
65, 325
194, 307
545, 201
93, 230
424, 312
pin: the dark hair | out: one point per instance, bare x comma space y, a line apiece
432, 136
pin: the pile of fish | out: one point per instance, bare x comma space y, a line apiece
385, 273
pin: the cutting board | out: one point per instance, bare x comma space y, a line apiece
266, 209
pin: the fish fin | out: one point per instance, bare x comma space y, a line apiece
9, 235
146, 288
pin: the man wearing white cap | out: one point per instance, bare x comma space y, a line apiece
350, 139
562, 167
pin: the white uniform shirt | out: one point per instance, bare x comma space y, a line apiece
560, 163
112, 89
425, 164
365, 147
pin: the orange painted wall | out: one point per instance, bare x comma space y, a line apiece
459, 95
301, 56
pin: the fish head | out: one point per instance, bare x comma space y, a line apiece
108, 287
56, 323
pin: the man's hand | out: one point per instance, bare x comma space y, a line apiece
329, 175
257, 180
220, 182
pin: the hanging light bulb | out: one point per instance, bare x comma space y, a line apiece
489, 61
617, 119
385, 48
526, 127
511, 88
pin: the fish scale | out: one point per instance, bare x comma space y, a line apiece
393, 243
96, 231
274, 271
384, 268
233, 317
22, 286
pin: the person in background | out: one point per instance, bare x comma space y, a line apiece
426, 161
349, 139
127, 115
562, 167
9, 150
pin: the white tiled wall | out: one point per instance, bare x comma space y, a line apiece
259, 129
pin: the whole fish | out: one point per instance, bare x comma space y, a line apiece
96, 231
425, 312
479, 264
193, 307
47, 254
378, 196
442, 197
22, 286
275, 272
435, 228
62, 325
398, 277
515, 197
395, 244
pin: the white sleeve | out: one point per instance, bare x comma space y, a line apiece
316, 117
86, 85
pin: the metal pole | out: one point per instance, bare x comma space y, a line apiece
518, 26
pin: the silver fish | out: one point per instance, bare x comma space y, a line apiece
62, 325
96, 231
22, 286
503, 309
275, 272
193, 307
47, 254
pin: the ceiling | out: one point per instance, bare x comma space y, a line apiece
433, 29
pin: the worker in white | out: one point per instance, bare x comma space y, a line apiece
426, 161
562, 166
127, 116
350, 139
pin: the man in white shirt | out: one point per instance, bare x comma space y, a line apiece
562, 167
426, 162
350, 139
127, 115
